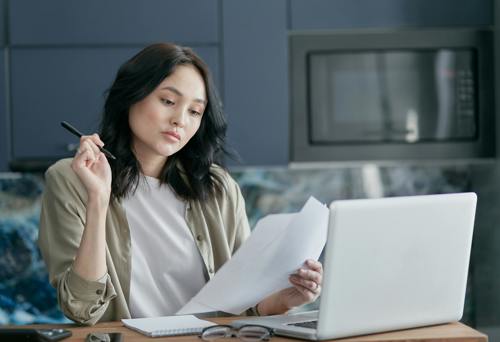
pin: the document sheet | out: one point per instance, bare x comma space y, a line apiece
277, 247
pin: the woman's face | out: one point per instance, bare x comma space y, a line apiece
164, 121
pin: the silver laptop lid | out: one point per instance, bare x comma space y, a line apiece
395, 263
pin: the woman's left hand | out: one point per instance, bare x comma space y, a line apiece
306, 289
306, 285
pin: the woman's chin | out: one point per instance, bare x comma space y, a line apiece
166, 151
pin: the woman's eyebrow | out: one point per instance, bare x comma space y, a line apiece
177, 92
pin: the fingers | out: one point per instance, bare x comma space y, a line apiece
308, 294
89, 147
307, 284
310, 276
95, 138
88, 152
314, 265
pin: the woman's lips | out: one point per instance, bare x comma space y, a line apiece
172, 134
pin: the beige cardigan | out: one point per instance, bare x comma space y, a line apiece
219, 226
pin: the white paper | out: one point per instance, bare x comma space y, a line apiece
277, 247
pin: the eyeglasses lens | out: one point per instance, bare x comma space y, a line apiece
253, 333
249, 333
216, 332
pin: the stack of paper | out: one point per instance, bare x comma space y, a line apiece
277, 247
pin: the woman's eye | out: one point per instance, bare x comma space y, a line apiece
194, 112
167, 101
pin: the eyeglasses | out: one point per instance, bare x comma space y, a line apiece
247, 333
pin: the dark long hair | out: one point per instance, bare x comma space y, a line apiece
188, 171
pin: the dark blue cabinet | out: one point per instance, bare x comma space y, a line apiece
54, 84
113, 22
393, 14
2, 20
211, 56
255, 79
51, 85
65, 53
4, 120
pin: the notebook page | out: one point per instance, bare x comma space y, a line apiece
167, 325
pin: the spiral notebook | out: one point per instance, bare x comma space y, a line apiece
167, 325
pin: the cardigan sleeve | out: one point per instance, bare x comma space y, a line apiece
242, 226
62, 221
234, 211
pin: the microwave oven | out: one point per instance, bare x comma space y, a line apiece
392, 95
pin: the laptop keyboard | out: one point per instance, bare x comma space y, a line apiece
309, 324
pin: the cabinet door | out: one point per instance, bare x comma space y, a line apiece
4, 136
54, 84
113, 21
2, 23
255, 79
340, 14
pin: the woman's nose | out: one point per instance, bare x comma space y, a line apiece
178, 118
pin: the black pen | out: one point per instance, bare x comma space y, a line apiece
79, 135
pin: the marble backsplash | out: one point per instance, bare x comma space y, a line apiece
25, 293
27, 297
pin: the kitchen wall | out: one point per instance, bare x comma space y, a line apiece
58, 57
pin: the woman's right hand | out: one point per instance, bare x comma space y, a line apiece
93, 169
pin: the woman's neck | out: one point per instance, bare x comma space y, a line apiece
152, 166
150, 161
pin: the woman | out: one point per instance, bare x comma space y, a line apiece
140, 235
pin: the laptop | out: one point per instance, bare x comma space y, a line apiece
390, 264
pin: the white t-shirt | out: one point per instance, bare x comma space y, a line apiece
167, 268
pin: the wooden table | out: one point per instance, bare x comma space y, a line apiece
452, 332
